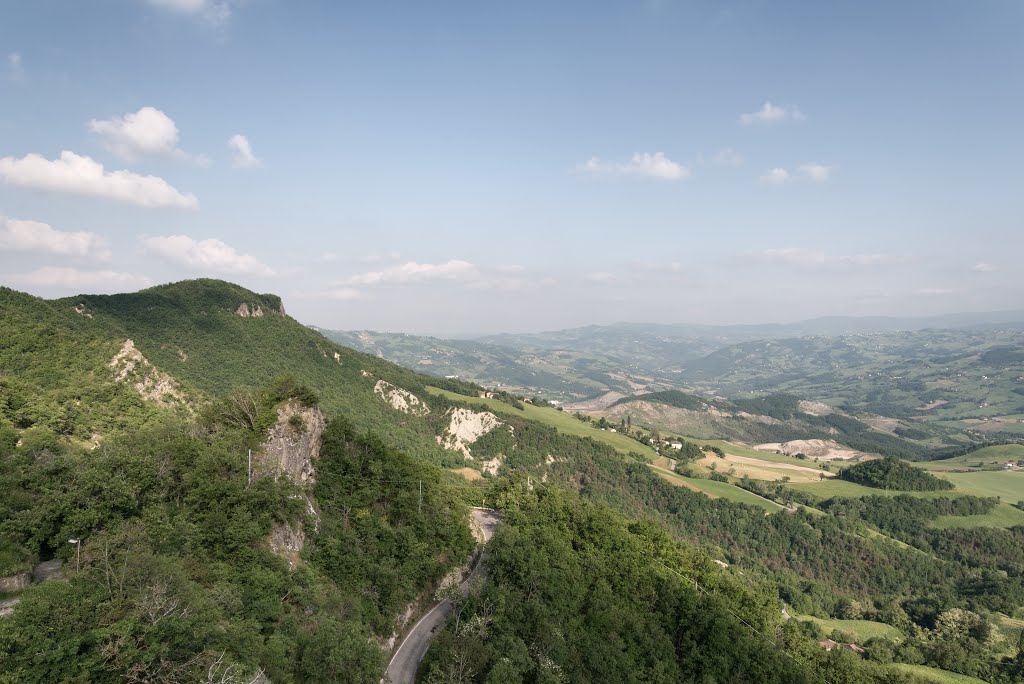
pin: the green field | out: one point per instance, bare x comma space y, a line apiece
721, 490
1008, 486
993, 456
859, 630
1003, 515
933, 675
561, 421
985, 483
827, 489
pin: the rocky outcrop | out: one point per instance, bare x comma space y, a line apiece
7, 606
400, 399
290, 450
245, 311
287, 542
293, 444
465, 426
152, 384
83, 310
13, 583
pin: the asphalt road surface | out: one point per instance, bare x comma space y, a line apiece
405, 662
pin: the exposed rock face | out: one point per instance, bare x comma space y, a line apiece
465, 427
292, 444
7, 606
287, 541
129, 365
13, 583
245, 311
82, 310
400, 399
291, 449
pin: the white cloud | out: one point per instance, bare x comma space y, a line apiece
727, 157
644, 164
213, 13
933, 291
413, 272
79, 175
209, 255
811, 171
145, 133
345, 294
982, 267
815, 258
511, 269
15, 68
107, 281
818, 173
776, 176
326, 258
770, 113
33, 236
242, 152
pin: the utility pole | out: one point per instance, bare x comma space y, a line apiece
249, 469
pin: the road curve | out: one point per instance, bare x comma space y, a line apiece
406, 660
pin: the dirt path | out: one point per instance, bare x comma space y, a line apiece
406, 660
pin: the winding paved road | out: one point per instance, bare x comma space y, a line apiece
406, 660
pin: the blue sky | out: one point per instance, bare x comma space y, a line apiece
461, 167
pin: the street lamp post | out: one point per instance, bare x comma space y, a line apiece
78, 553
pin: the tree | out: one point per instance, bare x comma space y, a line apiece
341, 652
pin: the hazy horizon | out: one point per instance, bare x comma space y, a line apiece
443, 169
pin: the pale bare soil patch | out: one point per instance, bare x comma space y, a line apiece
595, 404
763, 470
680, 482
822, 449
934, 404
468, 473
815, 408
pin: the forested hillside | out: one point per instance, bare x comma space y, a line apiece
189, 565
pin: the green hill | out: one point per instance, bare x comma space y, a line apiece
169, 481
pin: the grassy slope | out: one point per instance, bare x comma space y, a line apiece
718, 490
859, 630
931, 675
988, 457
559, 420
1003, 515
1008, 486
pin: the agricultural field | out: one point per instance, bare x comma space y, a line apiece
561, 421
1007, 485
988, 458
743, 460
1003, 515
